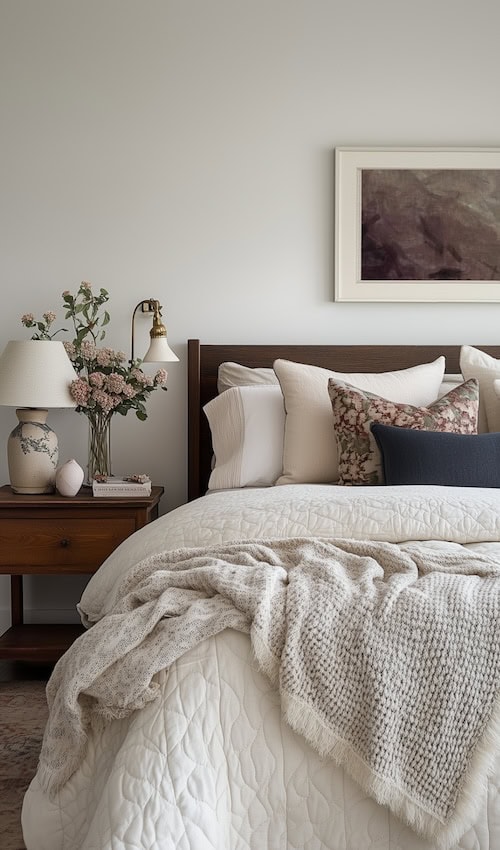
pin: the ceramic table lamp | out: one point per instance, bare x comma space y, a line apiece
35, 375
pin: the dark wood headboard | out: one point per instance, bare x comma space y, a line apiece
204, 360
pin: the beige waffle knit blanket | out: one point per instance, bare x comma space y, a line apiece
387, 659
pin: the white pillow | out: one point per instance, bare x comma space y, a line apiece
310, 445
477, 364
496, 388
247, 425
450, 382
235, 375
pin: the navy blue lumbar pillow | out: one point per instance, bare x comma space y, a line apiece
434, 457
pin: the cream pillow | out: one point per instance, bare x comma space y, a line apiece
475, 363
310, 444
247, 425
235, 375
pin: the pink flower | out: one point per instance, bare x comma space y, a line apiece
137, 375
128, 391
70, 349
49, 317
88, 349
103, 356
27, 319
161, 377
96, 379
102, 400
80, 390
115, 383
141, 378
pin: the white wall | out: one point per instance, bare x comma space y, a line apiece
183, 150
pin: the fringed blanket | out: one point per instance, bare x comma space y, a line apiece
386, 657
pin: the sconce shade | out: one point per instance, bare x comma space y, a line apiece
159, 351
36, 373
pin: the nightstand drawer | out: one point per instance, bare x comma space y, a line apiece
65, 544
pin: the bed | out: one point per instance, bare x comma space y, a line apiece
182, 721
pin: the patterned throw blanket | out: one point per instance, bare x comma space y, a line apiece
386, 657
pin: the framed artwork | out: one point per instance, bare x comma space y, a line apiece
417, 224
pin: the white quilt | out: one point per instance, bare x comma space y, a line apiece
211, 764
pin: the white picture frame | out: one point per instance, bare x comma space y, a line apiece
412, 223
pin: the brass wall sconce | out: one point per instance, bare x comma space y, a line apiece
159, 350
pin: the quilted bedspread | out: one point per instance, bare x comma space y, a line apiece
211, 762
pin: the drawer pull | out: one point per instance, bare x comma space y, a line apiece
65, 542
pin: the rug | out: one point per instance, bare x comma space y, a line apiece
23, 714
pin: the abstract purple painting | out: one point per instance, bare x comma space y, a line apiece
430, 224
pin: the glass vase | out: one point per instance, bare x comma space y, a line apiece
99, 460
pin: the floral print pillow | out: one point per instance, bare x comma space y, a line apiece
354, 411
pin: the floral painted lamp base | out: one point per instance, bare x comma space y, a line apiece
32, 453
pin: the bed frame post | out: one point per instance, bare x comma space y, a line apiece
194, 414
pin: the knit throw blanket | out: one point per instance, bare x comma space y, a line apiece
386, 657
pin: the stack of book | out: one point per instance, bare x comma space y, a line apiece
114, 486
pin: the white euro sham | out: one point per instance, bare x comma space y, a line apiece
247, 426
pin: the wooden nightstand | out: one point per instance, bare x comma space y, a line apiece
50, 534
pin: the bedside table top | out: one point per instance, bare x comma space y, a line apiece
8, 499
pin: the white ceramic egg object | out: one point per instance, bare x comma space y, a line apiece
69, 478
